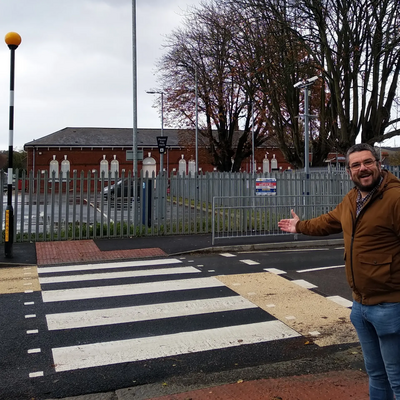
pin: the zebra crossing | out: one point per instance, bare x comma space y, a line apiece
106, 314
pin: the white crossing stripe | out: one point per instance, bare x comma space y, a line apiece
131, 350
275, 271
304, 284
118, 275
249, 262
122, 315
341, 301
124, 264
132, 289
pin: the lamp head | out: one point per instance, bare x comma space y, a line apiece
305, 82
13, 40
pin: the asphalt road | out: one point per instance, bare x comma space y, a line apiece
103, 327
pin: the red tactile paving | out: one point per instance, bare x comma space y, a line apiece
84, 251
343, 385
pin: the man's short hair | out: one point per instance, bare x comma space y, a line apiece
361, 147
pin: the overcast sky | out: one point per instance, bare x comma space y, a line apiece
74, 65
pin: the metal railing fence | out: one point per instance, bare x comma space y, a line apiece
88, 206
258, 216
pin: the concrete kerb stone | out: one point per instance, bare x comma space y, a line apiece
265, 246
95, 396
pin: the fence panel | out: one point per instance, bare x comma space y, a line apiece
86, 205
259, 216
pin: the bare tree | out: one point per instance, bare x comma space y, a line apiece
276, 59
203, 52
356, 44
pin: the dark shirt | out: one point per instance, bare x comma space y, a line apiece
362, 201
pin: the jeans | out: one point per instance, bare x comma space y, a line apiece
378, 328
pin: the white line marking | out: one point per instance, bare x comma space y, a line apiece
32, 332
283, 251
33, 351
124, 290
36, 374
29, 303
124, 264
227, 255
341, 301
319, 268
28, 291
30, 316
122, 315
304, 284
118, 275
131, 350
249, 262
275, 271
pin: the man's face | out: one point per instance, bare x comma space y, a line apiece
364, 177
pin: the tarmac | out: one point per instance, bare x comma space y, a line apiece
335, 375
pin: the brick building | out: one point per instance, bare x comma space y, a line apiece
85, 148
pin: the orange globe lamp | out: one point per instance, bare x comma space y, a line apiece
13, 39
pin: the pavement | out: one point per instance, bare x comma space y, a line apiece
334, 374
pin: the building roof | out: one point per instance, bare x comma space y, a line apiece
119, 137
105, 137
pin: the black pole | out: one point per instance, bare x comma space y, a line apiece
9, 219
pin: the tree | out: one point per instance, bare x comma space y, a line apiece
276, 59
203, 52
19, 160
394, 159
356, 44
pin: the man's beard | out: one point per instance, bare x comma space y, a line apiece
368, 188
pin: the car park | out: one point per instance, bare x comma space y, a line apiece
122, 188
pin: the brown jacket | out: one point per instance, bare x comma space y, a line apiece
372, 241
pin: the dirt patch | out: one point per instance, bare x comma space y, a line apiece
312, 315
18, 280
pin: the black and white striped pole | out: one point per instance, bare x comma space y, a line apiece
13, 40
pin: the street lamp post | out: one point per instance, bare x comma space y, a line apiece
134, 97
13, 40
197, 120
305, 84
162, 125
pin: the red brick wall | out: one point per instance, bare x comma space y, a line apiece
88, 160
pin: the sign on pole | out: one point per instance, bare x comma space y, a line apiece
162, 143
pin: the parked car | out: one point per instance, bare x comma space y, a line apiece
119, 189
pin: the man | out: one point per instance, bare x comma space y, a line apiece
369, 217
